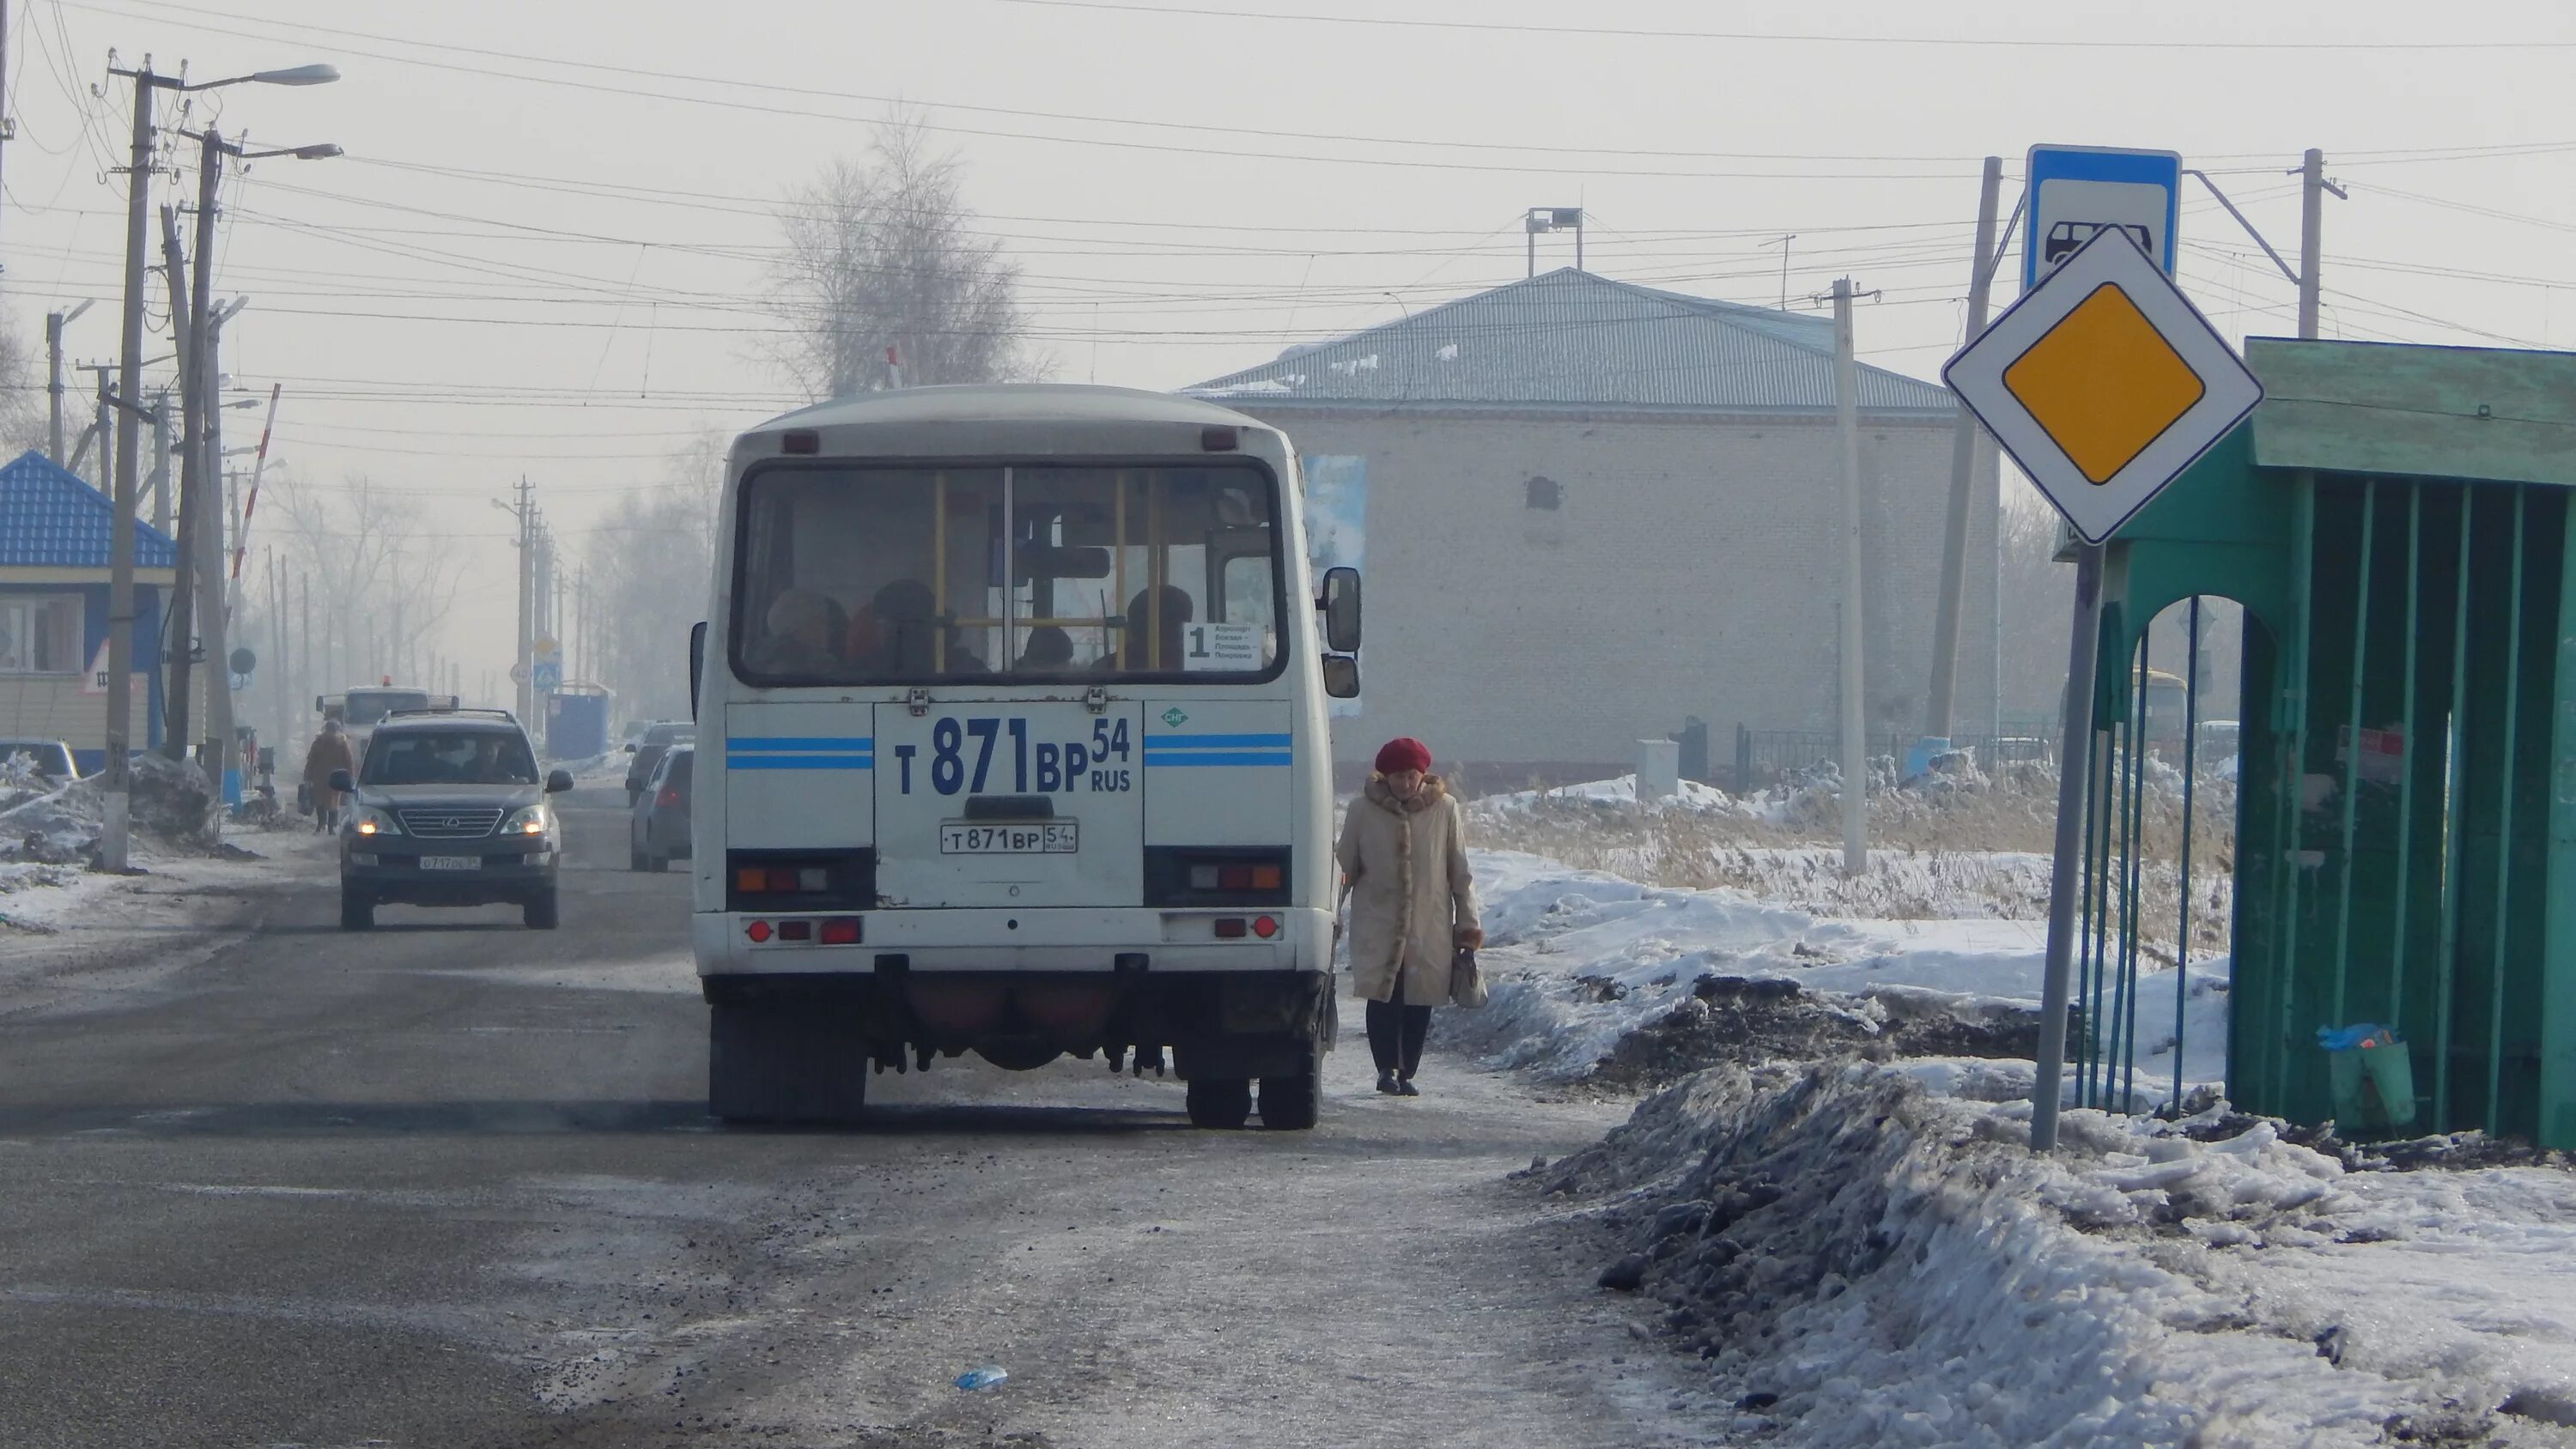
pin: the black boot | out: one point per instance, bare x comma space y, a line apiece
1386, 1083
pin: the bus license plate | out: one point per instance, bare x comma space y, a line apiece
1058, 837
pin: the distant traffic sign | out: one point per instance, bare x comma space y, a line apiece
2077, 192
2103, 383
519, 673
549, 675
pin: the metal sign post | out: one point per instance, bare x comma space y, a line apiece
2103, 383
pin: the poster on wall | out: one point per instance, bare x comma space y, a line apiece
1337, 528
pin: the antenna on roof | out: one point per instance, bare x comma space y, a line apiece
1552, 218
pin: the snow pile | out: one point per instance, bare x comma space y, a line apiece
1594, 976
167, 802
1863, 1262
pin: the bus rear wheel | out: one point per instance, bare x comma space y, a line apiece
1223, 1103
771, 1065
1293, 1104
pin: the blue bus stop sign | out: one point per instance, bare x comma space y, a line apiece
2076, 191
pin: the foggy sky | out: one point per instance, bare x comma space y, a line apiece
590, 302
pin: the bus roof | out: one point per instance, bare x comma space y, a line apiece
1009, 402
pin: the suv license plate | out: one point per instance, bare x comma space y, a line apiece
1057, 837
451, 862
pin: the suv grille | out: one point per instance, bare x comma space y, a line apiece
460, 824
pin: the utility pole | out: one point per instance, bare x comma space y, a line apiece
1963, 464
120, 548
524, 510
8, 128
221, 757
2313, 187
1782, 242
158, 480
55, 322
1855, 743
187, 322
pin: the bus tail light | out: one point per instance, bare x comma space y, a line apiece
758, 931
806, 882
1265, 927
841, 931
1185, 876
1229, 928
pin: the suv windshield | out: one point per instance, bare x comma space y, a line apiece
450, 757
854, 575
367, 706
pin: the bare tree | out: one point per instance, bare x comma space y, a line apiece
652, 562
380, 583
2039, 596
881, 256
22, 393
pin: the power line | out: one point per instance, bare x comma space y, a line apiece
2014, 42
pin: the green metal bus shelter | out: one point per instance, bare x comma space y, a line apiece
2395, 522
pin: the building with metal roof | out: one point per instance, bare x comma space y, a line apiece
55, 537
1569, 339
1590, 512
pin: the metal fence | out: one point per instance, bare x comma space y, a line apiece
1763, 758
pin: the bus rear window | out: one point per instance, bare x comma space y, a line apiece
896, 575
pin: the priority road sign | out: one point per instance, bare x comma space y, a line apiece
2078, 191
2103, 383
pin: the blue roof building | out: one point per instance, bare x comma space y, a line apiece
55, 532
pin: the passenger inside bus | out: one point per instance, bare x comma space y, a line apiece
798, 639
1143, 650
1049, 651
907, 629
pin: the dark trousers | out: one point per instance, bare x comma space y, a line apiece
1395, 1033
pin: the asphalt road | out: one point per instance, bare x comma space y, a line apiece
451, 1183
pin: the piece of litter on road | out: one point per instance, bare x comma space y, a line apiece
981, 1378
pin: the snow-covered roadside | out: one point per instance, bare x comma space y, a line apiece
1864, 1262
70, 935
1582, 961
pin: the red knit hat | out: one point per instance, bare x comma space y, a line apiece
1403, 754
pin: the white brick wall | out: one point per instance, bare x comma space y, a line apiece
1690, 569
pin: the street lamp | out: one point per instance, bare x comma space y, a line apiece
302, 75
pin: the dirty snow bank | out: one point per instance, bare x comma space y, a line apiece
168, 804
1596, 976
1864, 1262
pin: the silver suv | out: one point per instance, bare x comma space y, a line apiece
448, 810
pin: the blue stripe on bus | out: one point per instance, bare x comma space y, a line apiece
790, 742
1184, 759
799, 762
1200, 742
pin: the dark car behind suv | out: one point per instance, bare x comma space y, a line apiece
448, 810
648, 753
658, 828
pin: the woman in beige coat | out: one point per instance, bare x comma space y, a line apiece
1413, 905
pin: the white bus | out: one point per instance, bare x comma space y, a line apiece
1012, 740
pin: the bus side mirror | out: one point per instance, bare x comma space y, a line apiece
1342, 611
697, 666
1341, 676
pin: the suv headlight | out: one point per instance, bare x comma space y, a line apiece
528, 820
372, 821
